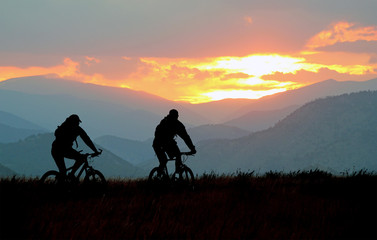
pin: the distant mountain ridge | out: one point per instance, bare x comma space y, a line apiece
259, 114
309, 93
18, 122
131, 100
333, 134
104, 110
13, 128
259, 120
47, 101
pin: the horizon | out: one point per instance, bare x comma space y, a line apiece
208, 52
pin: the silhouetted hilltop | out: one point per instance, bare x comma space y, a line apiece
333, 134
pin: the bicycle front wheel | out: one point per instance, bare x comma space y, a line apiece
95, 181
95, 177
185, 178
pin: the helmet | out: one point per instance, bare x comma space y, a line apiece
74, 118
173, 113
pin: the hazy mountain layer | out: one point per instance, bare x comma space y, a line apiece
133, 114
138, 152
32, 157
129, 100
13, 128
260, 120
333, 134
18, 122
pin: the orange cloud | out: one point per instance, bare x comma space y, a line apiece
207, 79
91, 60
307, 77
198, 80
69, 68
342, 32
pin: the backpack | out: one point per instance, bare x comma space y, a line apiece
66, 134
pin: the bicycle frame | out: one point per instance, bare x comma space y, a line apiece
183, 176
92, 176
184, 158
84, 166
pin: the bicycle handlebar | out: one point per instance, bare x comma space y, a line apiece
187, 153
94, 154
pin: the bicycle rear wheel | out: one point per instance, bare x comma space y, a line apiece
157, 179
51, 177
156, 176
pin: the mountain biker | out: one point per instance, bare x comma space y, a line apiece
65, 135
164, 142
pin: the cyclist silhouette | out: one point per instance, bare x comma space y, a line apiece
164, 142
65, 135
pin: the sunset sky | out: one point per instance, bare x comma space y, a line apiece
197, 50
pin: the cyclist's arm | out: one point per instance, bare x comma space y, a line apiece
186, 138
84, 136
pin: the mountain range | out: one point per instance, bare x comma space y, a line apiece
334, 134
133, 115
273, 133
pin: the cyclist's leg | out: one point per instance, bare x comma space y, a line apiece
75, 155
161, 155
174, 152
58, 157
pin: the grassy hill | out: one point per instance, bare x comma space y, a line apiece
301, 205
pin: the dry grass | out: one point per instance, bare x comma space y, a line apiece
301, 205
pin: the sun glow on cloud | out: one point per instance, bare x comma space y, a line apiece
342, 32
256, 65
199, 80
219, 95
69, 68
232, 77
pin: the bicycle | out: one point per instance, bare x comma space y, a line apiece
183, 177
92, 177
